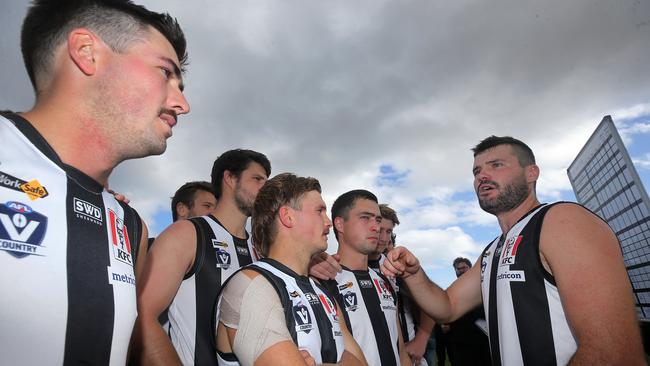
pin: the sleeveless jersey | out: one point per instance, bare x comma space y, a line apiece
407, 324
310, 312
370, 310
526, 321
68, 250
218, 256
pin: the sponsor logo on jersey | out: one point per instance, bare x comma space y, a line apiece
312, 298
329, 306
510, 251
512, 276
294, 294
219, 244
119, 238
350, 301
302, 317
223, 259
241, 250
87, 211
345, 285
21, 230
33, 189
118, 278
382, 290
365, 283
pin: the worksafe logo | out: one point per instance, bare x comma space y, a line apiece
33, 189
350, 300
119, 239
219, 244
21, 230
302, 318
223, 259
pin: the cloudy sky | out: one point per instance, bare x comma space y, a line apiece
390, 96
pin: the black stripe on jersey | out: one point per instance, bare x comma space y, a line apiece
492, 305
131, 215
205, 277
379, 325
401, 311
530, 304
328, 351
243, 254
332, 288
89, 331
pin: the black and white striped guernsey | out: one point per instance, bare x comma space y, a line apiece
310, 313
526, 321
67, 258
369, 306
406, 321
218, 255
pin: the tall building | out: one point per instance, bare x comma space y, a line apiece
605, 181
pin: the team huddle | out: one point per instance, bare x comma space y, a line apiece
82, 284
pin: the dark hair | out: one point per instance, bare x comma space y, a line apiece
521, 150
236, 161
117, 22
284, 189
388, 213
186, 194
462, 260
346, 201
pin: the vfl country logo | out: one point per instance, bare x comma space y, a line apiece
119, 239
223, 259
33, 189
87, 211
302, 317
21, 230
350, 300
241, 250
510, 251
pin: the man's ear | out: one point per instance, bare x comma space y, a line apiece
82, 49
532, 173
286, 216
338, 224
182, 210
229, 179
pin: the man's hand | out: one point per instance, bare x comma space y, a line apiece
118, 196
307, 357
416, 348
400, 262
324, 266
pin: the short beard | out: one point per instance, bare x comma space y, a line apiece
511, 197
244, 207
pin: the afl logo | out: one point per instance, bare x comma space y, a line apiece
21, 230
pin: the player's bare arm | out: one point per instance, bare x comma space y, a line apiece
584, 257
170, 258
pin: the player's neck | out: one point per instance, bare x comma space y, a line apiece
352, 259
290, 255
508, 219
229, 215
76, 139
